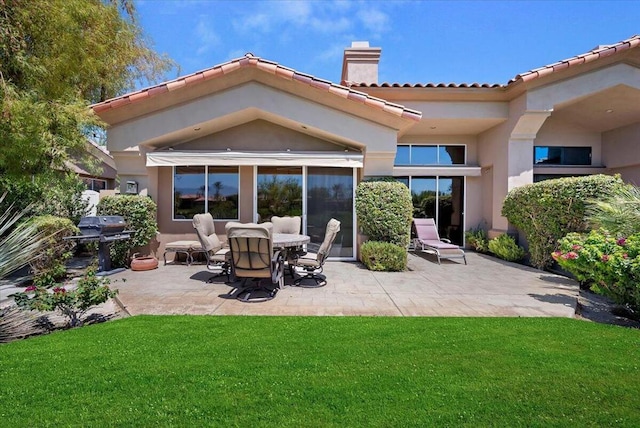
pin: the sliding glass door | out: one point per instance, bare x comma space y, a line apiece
279, 192
330, 195
317, 194
440, 198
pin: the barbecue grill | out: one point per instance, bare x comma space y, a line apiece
105, 229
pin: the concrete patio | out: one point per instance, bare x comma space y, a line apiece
485, 287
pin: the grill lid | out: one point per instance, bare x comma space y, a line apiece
100, 225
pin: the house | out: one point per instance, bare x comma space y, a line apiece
251, 138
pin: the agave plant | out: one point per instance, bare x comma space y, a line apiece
619, 214
19, 243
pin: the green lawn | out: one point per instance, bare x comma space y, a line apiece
324, 371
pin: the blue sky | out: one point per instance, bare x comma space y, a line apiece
421, 41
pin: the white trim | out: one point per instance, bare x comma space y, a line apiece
451, 171
236, 158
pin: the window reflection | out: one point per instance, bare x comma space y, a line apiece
198, 189
558, 155
279, 192
330, 195
430, 155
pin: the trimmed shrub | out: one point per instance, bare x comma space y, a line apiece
49, 266
139, 213
505, 247
610, 265
383, 256
478, 240
548, 210
384, 211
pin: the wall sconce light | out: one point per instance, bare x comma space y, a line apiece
132, 187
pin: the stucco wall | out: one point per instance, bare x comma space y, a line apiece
621, 152
260, 135
556, 132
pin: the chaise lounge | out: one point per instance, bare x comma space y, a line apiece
428, 240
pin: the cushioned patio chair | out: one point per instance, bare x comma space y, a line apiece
427, 239
286, 224
253, 258
293, 225
312, 264
218, 257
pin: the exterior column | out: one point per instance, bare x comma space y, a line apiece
519, 163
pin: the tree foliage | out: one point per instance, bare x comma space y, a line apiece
56, 58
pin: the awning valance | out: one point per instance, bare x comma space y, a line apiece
235, 158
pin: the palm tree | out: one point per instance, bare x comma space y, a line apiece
619, 213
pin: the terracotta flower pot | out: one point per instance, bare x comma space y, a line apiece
144, 263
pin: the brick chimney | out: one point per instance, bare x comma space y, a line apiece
360, 64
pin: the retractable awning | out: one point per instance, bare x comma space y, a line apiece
235, 158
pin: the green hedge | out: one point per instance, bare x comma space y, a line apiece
383, 256
547, 211
384, 211
139, 213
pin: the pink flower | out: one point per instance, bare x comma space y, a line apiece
605, 258
577, 247
59, 290
572, 255
621, 241
30, 288
625, 256
556, 255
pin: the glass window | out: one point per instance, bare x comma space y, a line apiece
430, 155
200, 189
95, 184
402, 156
223, 192
279, 192
558, 155
451, 155
188, 191
424, 155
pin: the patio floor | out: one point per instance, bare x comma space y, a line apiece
485, 287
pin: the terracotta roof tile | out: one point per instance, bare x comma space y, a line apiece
593, 55
250, 61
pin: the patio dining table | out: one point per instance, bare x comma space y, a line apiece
289, 242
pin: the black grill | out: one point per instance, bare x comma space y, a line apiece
104, 225
105, 229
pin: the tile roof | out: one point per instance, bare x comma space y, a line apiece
424, 85
250, 61
592, 55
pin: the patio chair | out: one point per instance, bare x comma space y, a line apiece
312, 264
292, 225
286, 224
252, 257
218, 257
427, 239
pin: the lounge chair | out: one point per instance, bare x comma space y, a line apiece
218, 257
252, 257
427, 239
312, 264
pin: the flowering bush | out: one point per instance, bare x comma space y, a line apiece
610, 265
71, 303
